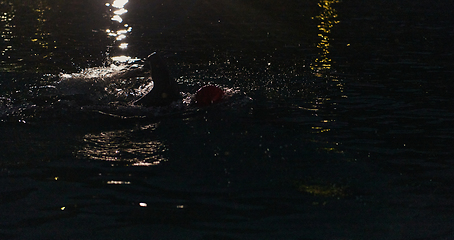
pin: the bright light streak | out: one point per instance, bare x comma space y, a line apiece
121, 59
120, 11
119, 3
123, 31
121, 37
117, 18
113, 182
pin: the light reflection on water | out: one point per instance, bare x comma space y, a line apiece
7, 30
37, 39
327, 18
323, 68
44, 37
123, 147
119, 31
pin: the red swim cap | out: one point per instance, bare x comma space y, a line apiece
207, 95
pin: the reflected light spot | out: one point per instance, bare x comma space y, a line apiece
123, 46
145, 164
123, 31
121, 37
118, 182
117, 18
321, 129
120, 11
122, 59
142, 204
119, 3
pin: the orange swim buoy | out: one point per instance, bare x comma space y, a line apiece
207, 95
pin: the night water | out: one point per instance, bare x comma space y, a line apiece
337, 122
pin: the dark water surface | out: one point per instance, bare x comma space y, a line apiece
338, 122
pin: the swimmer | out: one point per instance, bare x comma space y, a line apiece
165, 89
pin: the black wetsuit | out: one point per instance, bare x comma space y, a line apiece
165, 89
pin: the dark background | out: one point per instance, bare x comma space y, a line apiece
345, 133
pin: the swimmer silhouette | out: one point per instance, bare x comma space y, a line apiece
165, 89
